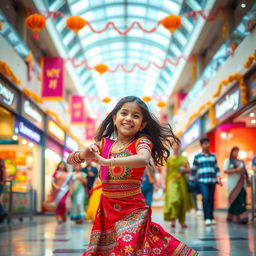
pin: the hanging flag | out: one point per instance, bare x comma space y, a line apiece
77, 110
52, 78
90, 129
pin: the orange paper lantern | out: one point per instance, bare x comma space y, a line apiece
147, 98
101, 68
161, 104
106, 100
35, 22
75, 23
171, 22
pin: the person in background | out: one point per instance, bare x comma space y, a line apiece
208, 174
177, 200
237, 176
254, 165
78, 195
2, 183
61, 180
91, 173
93, 201
148, 181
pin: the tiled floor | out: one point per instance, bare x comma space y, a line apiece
46, 238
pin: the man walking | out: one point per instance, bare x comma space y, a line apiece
206, 169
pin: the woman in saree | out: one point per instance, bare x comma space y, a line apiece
93, 201
177, 199
61, 180
237, 177
78, 195
123, 224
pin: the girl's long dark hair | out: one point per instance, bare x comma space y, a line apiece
161, 136
231, 158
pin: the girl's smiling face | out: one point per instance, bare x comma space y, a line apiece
129, 119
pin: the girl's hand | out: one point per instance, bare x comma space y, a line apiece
101, 160
89, 151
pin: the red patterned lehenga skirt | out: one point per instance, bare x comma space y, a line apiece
123, 226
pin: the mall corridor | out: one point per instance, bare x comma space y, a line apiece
46, 238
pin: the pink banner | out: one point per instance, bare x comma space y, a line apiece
52, 78
77, 110
90, 129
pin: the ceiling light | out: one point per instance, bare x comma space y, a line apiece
24, 142
224, 135
243, 5
253, 121
30, 144
252, 114
15, 137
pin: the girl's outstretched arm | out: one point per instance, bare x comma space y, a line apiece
77, 157
141, 159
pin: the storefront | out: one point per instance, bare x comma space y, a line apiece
53, 151
70, 146
9, 103
190, 140
236, 127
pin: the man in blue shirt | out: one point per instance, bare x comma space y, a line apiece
254, 164
205, 169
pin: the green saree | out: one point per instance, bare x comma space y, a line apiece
177, 200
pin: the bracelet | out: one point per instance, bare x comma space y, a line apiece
76, 159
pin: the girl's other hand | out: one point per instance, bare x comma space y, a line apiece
100, 160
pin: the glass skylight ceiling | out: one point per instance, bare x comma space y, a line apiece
136, 47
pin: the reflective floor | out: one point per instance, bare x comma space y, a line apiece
45, 238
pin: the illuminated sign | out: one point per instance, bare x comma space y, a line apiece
193, 132
27, 131
8, 95
55, 131
33, 113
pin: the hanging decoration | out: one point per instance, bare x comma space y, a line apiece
77, 109
106, 100
75, 23
52, 78
29, 61
194, 69
35, 22
224, 29
171, 22
1, 25
250, 60
32, 95
6, 70
101, 68
90, 128
147, 98
161, 104
243, 90
230, 79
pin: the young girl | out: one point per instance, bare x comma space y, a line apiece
123, 221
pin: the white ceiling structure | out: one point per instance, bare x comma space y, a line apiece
113, 49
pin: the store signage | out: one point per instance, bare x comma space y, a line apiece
55, 131
32, 113
228, 104
8, 95
193, 132
71, 143
251, 83
25, 130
